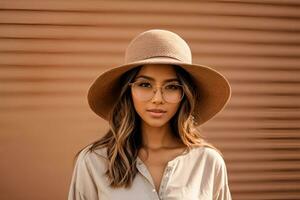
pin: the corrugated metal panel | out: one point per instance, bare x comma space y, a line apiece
50, 51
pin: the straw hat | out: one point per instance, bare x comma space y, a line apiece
157, 46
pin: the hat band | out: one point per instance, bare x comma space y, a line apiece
152, 57
163, 57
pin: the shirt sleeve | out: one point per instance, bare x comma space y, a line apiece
224, 193
221, 183
82, 186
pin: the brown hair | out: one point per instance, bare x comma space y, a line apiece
123, 139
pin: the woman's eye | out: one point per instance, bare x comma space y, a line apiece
172, 87
144, 84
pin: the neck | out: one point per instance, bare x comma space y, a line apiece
157, 137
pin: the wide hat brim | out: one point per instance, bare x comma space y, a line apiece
213, 88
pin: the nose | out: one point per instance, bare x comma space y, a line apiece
157, 98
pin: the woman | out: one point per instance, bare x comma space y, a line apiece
153, 104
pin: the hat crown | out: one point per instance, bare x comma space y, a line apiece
158, 43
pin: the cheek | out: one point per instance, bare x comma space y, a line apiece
138, 105
173, 109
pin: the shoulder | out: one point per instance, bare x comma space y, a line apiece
87, 153
88, 158
211, 156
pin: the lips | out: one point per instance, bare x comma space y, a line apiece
156, 113
157, 110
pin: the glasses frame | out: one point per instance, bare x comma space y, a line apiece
156, 89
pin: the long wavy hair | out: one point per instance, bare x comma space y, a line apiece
123, 139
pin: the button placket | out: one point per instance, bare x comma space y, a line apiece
155, 195
165, 179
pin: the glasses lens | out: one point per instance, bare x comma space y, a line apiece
144, 91
172, 93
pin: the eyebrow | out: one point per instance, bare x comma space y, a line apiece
150, 78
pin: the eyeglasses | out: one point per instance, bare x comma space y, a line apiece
144, 91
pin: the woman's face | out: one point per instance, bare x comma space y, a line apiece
157, 75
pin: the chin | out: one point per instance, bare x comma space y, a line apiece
155, 122
157, 125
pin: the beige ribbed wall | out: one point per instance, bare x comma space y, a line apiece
51, 50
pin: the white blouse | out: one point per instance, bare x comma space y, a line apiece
198, 174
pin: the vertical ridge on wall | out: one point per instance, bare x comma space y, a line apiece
50, 51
